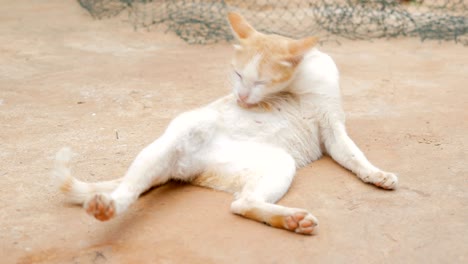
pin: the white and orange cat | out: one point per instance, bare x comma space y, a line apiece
283, 113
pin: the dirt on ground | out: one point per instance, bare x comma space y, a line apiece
106, 91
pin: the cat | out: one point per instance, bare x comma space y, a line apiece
283, 113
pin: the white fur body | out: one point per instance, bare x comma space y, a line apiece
252, 152
291, 124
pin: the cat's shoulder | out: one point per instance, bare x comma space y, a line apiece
315, 56
318, 64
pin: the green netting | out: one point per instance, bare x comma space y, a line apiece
204, 21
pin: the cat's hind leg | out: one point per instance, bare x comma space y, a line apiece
292, 219
150, 167
343, 150
265, 174
169, 157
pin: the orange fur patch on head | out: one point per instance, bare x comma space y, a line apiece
279, 55
298, 47
273, 49
240, 26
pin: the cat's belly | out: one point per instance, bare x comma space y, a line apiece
282, 125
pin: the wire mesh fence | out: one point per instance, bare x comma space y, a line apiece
204, 21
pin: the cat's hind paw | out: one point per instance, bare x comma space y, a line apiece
101, 207
301, 223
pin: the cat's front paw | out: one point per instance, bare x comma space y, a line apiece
382, 179
101, 207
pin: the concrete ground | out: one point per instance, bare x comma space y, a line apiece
107, 91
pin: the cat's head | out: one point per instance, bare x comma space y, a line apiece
263, 64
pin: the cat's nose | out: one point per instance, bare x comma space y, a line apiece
243, 97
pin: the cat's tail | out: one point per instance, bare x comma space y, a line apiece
75, 190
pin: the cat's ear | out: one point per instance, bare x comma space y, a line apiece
241, 29
291, 61
301, 46
297, 50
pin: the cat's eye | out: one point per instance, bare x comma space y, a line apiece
238, 74
257, 83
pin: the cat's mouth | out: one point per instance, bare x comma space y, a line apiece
262, 105
244, 104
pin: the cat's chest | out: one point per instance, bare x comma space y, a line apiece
240, 122
285, 125
282, 121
